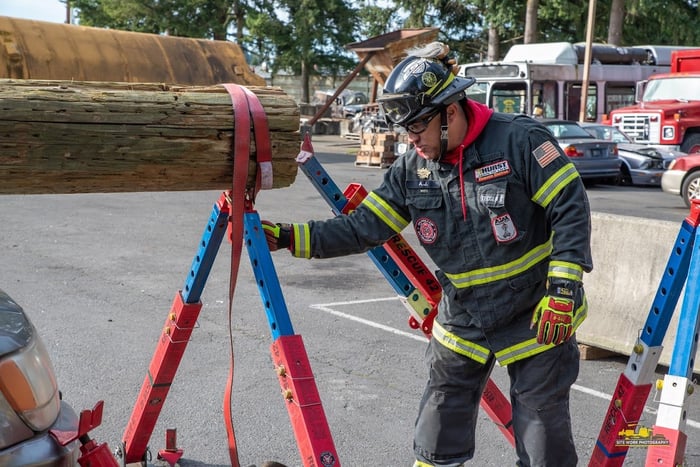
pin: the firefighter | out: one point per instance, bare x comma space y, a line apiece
504, 215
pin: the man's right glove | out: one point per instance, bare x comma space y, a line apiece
278, 236
554, 314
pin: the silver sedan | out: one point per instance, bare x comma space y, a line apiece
595, 159
641, 164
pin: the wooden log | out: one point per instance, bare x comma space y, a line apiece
84, 137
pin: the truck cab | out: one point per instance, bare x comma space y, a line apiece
668, 113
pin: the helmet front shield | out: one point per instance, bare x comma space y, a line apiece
399, 108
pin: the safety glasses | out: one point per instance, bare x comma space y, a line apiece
420, 125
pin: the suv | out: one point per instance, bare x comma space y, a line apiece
30, 403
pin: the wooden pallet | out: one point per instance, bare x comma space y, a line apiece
589, 352
379, 147
378, 139
381, 160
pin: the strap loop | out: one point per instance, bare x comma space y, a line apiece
241, 198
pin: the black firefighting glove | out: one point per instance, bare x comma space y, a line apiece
278, 236
554, 314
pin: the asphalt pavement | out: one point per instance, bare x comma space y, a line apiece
97, 274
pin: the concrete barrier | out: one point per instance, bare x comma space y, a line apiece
629, 257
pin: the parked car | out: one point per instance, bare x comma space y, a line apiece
30, 403
683, 178
351, 103
595, 159
641, 164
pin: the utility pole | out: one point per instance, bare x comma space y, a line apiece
587, 59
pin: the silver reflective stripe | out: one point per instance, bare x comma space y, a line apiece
302, 241
504, 271
565, 270
385, 212
459, 345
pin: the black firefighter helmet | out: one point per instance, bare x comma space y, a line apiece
421, 84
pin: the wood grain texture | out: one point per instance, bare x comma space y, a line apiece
82, 137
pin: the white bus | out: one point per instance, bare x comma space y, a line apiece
549, 77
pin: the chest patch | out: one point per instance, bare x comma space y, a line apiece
491, 171
504, 229
492, 196
426, 230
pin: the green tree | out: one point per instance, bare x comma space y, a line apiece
190, 18
307, 37
376, 20
662, 22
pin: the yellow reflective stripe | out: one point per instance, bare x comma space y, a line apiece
520, 351
530, 347
459, 345
433, 92
510, 269
565, 270
422, 464
385, 212
302, 241
555, 184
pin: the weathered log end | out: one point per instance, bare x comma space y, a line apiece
85, 137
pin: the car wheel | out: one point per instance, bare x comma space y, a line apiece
624, 179
691, 187
691, 145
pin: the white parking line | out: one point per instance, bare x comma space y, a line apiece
330, 309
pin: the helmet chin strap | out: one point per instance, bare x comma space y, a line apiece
443, 133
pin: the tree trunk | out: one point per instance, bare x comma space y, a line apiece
305, 85
531, 21
617, 19
494, 46
86, 137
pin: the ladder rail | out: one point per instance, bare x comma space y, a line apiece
173, 341
289, 356
635, 383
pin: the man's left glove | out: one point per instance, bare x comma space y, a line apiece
278, 236
554, 314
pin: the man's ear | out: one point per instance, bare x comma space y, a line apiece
452, 111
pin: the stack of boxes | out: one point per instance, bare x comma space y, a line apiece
380, 149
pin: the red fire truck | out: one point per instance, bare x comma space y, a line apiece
668, 113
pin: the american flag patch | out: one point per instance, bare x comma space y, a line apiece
545, 153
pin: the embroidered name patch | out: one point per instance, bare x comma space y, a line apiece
422, 184
426, 230
491, 171
492, 196
545, 153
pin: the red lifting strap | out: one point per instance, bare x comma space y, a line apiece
245, 104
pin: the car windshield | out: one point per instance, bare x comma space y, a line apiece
567, 130
609, 133
681, 88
